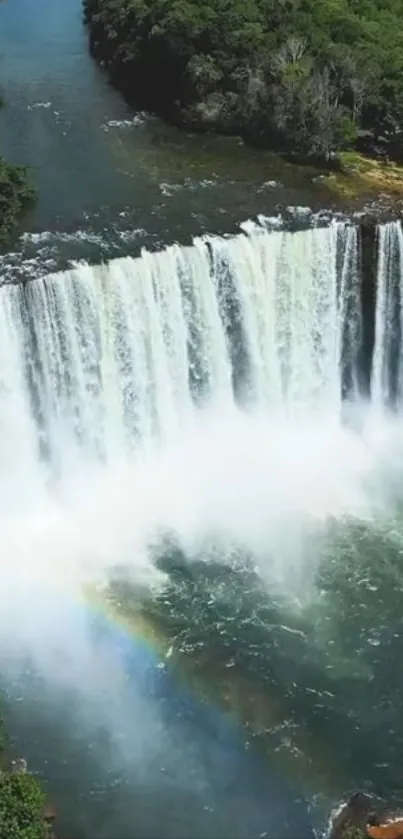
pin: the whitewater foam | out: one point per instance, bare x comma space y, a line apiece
194, 393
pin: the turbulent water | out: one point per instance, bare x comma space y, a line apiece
100, 358
160, 361
194, 419
183, 373
387, 373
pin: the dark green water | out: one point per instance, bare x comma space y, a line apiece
324, 672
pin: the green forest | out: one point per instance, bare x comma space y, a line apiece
307, 76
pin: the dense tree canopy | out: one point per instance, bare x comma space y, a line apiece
21, 807
16, 195
296, 74
21, 804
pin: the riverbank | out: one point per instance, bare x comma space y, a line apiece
342, 179
275, 80
365, 176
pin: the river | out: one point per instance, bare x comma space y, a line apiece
172, 444
110, 179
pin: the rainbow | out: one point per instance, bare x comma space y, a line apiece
213, 714
246, 712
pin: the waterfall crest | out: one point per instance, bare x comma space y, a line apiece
100, 357
119, 390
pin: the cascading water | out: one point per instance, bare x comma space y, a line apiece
387, 376
200, 385
129, 376
101, 358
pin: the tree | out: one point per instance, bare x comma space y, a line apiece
297, 74
21, 803
21, 807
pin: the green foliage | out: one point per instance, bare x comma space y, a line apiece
21, 804
300, 74
16, 195
21, 807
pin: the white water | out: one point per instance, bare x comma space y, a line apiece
125, 372
389, 285
111, 349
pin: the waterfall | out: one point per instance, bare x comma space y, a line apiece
95, 359
387, 375
208, 392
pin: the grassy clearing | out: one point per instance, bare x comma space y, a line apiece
364, 176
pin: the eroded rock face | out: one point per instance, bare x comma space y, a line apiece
49, 814
350, 821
